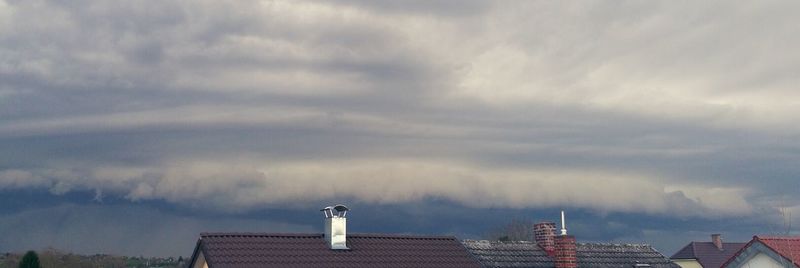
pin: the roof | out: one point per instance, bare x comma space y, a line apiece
600, 255
786, 246
311, 250
707, 254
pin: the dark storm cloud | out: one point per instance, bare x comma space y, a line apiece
118, 229
638, 107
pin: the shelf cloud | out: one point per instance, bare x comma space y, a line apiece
653, 107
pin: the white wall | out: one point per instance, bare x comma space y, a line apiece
687, 263
761, 260
201, 261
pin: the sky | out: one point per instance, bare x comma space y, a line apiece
129, 127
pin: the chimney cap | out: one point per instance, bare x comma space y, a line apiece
338, 208
341, 211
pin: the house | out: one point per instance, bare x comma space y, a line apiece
334, 248
767, 252
706, 254
549, 250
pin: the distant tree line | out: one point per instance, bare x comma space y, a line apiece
516, 230
51, 258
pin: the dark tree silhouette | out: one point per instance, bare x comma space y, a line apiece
516, 230
30, 260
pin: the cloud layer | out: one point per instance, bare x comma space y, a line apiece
653, 107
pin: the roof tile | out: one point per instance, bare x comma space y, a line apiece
787, 246
707, 254
310, 250
597, 255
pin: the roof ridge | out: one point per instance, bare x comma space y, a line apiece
615, 244
778, 237
240, 234
360, 235
448, 237
739, 252
498, 241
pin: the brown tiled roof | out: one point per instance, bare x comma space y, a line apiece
310, 250
590, 255
787, 246
707, 254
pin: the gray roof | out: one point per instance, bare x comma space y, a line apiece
707, 254
600, 255
243, 250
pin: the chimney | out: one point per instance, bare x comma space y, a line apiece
544, 233
566, 252
336, 226
717, 240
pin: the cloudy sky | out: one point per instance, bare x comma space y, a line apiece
128, 127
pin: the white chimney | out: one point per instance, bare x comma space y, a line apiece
336, 226
563, 224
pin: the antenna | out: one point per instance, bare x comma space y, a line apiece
563, 225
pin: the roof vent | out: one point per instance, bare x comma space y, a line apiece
336, 226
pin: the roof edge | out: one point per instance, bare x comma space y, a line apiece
579, 243
359, 235
195, 253
758, 240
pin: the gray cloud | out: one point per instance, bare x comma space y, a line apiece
649, 107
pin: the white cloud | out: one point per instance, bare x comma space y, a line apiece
723, 200
246, 185
14, 179
645, 59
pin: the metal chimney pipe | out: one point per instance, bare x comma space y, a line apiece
336, 227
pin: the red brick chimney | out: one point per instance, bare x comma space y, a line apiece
544, 233
565, 252
717, 240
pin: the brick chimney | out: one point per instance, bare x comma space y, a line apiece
544, 233
565, 252
717, 240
